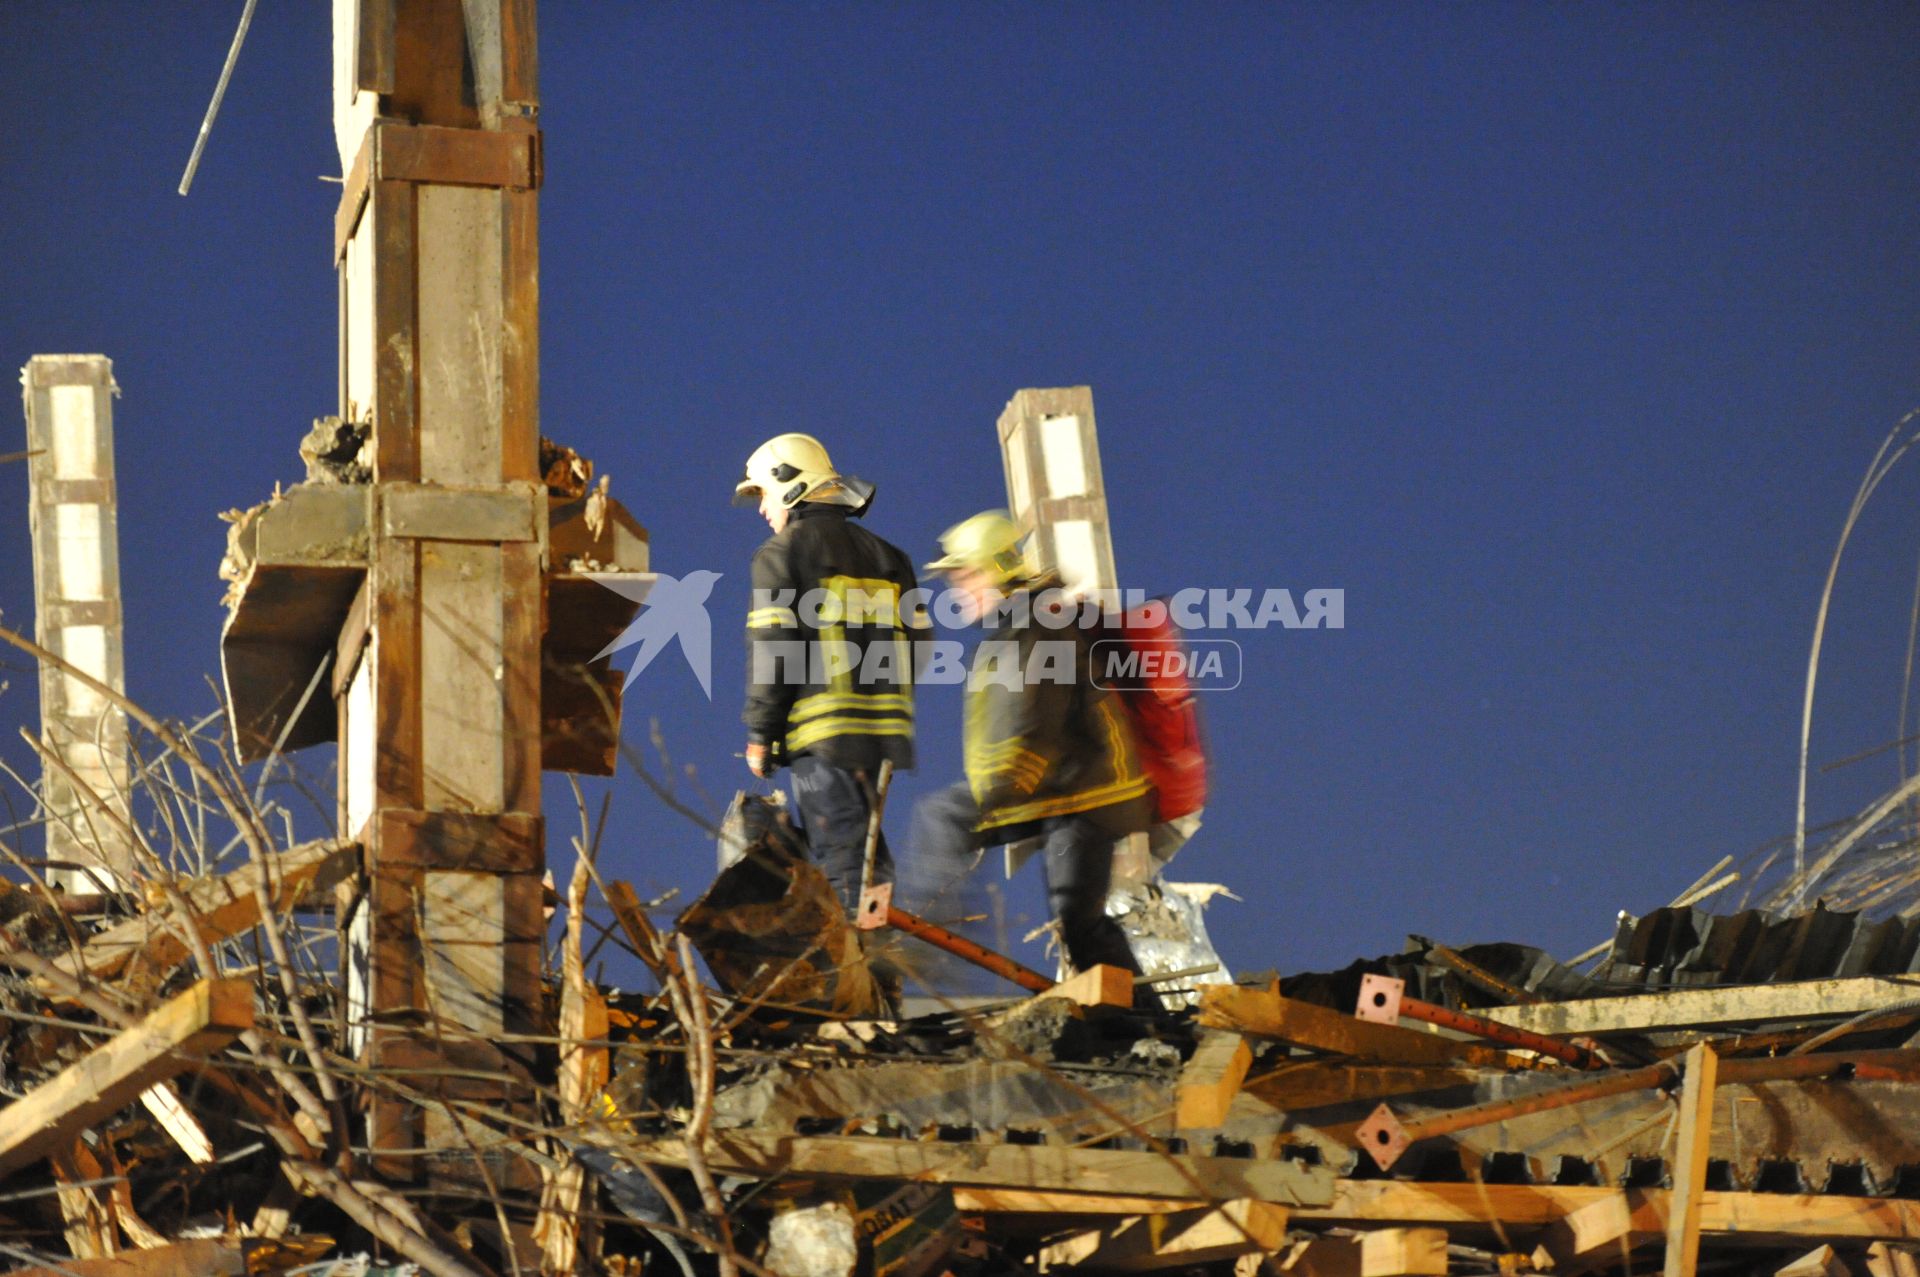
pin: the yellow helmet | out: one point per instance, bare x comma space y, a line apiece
793, 468
988, 543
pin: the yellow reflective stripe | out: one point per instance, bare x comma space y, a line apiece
1003, 755
987, 754
821, 728
762, 617
1066, 805
1026, 768
879, 599
823, 702
1008, 758
1027, 777
1119, 741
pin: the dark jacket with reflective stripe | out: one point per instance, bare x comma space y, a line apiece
829, 657
1042, 740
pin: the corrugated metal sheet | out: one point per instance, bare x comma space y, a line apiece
1684, 947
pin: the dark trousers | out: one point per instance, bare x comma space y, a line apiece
1077, 857
833, 809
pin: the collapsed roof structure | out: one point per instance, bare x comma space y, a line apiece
228, 1050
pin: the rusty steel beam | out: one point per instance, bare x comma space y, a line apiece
1385, 1137
1383, 1000
961, 947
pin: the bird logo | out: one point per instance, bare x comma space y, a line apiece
670, 608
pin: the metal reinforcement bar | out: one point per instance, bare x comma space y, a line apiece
1385, 1137
1383, 1000
961, 947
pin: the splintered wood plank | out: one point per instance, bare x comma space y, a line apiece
89, 1225
166, 1107
1149, 1243
1690, 1161
1265, 1013
1211, 1079
583, 1076
1821, 1261
1604, 1232
1383, 1252
177, 1037
1097, 986
222, 907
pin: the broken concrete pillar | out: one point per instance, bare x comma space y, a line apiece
1051, 454
1050, 451
72, 511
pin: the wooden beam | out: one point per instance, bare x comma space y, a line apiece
1690, 1162
1028, 1201
177, 1037
1382, 1252
1366, 1203
1690, 1008
1149, 1243
222, 907
1887, 1261
769, 1154
1775, 1215
1821, 1261
1210, 1080
456, 157
1602, 1233
1265, 1013
1097, 986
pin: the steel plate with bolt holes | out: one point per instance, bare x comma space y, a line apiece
1380, 999
875, 903
1383, 1137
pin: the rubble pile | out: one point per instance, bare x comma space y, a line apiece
184, 1099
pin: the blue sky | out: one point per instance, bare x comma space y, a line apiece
1557, 336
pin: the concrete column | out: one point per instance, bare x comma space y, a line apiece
72, 510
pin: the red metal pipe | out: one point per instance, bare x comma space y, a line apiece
1505, 1034
960, 947
1385, 1137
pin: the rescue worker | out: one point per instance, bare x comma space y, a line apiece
1048, 754
830, 657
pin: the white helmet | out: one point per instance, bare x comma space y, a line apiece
793, 468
